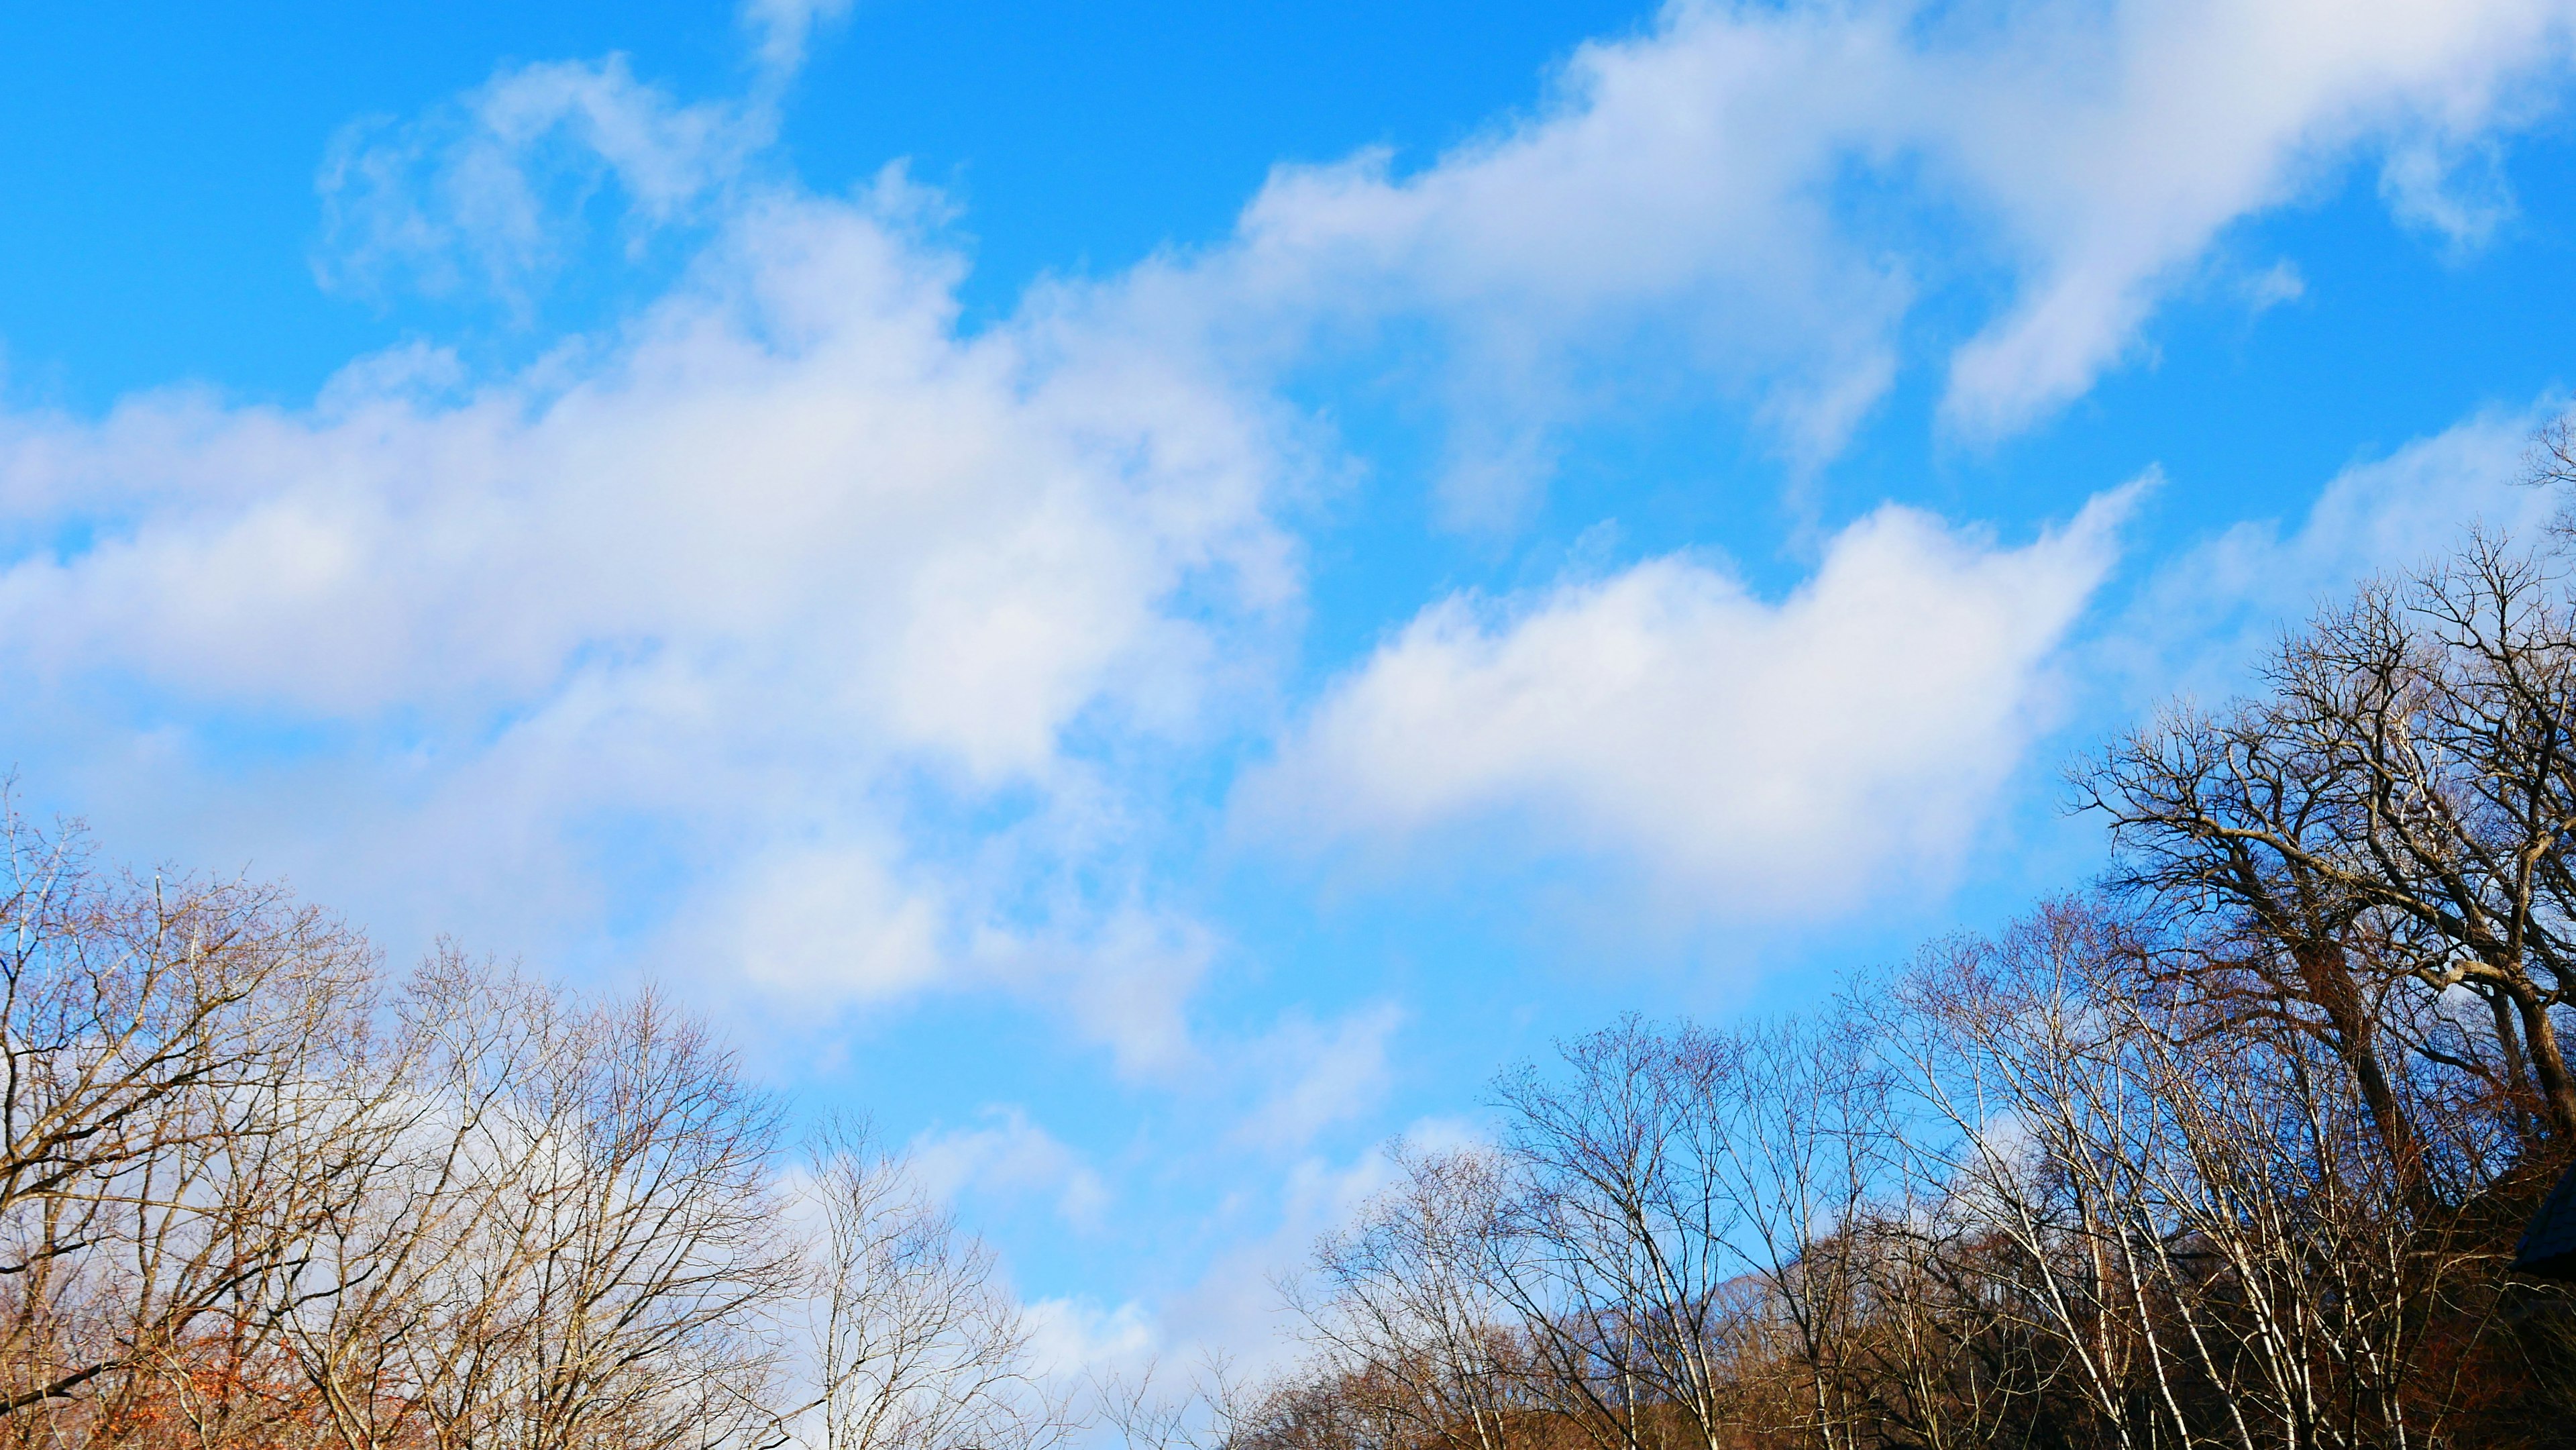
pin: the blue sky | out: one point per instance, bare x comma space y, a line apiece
1150, 593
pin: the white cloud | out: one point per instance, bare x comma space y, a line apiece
1676, 183
792, 472
1771, 188
1010, 1157
1772, 758
1320, 1075
770, 592
2205, 615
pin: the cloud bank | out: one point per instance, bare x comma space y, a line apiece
776, 580
786, 630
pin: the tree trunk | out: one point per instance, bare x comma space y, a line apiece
2330, 986
2548, 1065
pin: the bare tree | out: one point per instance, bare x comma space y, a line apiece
914, 1342
1624, 1263
616, 1285
2199, 1207
1800, 1116
1405, 1306
2395, 810
164, 1045
559, 1232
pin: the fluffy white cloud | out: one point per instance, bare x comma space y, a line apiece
792, 473
771, 591
1771, 757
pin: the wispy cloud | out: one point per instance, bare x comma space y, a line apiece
489, 193
1765, 193
2207, 613
1320, 1074
782, 29
1007, 1156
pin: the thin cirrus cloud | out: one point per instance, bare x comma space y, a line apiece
1768, 758
1320, 1074
473, 194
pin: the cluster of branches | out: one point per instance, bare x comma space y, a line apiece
256, 1195
2232, 1150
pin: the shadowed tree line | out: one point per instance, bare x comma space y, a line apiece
257, 1195
2231, 1150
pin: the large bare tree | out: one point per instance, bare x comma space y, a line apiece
2393, 813
167, 1047
913, 1342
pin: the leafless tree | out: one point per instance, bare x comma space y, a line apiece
2393, 813
1800, 1115
2198, 1205
1625, 1263
165, 1046
611, 1290
2551, 462
1405, 1307
554, 1228
914, 1342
